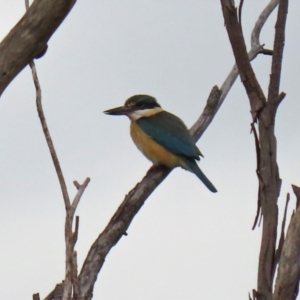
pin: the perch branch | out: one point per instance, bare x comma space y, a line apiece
135, 199
132, 203
120, 222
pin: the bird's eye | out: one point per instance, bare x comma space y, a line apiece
139, 104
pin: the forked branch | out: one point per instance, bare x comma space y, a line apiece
263, 111
71, 280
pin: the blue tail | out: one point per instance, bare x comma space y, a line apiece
193, 167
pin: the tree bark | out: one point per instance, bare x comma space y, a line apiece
28, 39
263, 111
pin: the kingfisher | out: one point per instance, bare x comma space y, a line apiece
161, 136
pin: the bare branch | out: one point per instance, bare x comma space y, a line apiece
278, 52
68, 283
287, 281
240, 11
45, 128
266, 52
282, 235
48, 137
271, 182
76, 288
296, 191
58, 291
135, 199
256, 48
70, 237
50, 296
247, 75
81, 188
36, 296
77, 185
257, 149
71, 279
268, 173
207, 115
26, 4
28, 39
120, 222
75, 233
132, 203
255, 43
116, 228
280, 98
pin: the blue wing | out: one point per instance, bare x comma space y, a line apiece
171, 133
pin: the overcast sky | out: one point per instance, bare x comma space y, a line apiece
185, 243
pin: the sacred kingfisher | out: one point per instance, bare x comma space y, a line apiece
161, 136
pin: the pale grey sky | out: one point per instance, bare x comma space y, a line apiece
186, 243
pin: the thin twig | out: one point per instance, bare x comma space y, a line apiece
48, 138
255, 43
71, 279
70, 238
257, 150
46, 130
240, 12
81, 189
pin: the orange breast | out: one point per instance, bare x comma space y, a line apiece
152, 150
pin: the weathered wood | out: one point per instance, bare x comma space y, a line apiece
287, 282
263, 111
28, 39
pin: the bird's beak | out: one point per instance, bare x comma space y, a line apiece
118, 111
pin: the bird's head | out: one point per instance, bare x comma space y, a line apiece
136, 107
